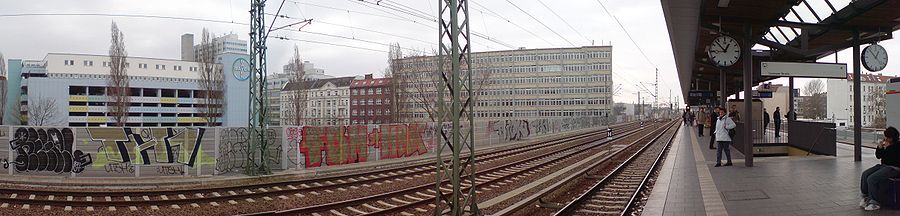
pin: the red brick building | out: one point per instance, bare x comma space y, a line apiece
370, 101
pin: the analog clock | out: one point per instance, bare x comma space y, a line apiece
724, 51
241, 69
874, 58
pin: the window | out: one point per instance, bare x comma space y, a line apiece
378, 91
355, 92
69, 62
142, 66
161, 67
105, 64
176, 67
88, 63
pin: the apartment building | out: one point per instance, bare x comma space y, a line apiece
523, 83
370, 101
840, 97
327, 102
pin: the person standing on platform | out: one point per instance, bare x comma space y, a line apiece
734, 114
701, 119
777, 115
711, 118
874, 182
765, 120
686, 116
724, 133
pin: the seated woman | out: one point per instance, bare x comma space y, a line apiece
874, 180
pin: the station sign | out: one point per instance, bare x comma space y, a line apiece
805, 70
763, 94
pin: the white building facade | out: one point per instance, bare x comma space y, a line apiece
840, 98
327, 102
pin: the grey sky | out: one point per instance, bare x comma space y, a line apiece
31, 37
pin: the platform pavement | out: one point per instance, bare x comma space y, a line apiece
689, 184
190, 181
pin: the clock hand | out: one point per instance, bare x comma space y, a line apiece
720, 45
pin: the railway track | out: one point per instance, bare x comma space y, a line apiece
219, 196
419, 200
620, 192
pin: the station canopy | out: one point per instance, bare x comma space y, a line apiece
793, 31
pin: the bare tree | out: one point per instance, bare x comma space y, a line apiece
814, 105
399, 81
42, 112
877, 102
117, 85
424, 79
4, 83
297, 97
212, 79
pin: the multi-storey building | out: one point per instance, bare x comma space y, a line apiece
276, 82
327, 102
370, 101
229, 43
524, 83
162, 92
840, 98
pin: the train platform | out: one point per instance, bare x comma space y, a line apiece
689, 184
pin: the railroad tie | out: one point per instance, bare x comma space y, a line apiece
68, 198
250, 200
195, 205
400, 201
4, 205
154, 207
89, 209
267, 198
132, 208
232, 202
182, 196
386, 204
216, 194
292, 187
318, 184
31, 197
277, 188
26, 206
127, 198
412, 197
354, 210
50, 197
372, 207
108, 199
198, 195
163, 197
111, 208
46, 207
282, 197
406, 214
421, 210
329, 182
213, 203
68, 208
176, 207
248, 191
88, 198
335, 212
232, 193
299, 195
13, 196
146, 198
341, 181
341, 189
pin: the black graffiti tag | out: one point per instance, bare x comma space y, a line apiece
46, 149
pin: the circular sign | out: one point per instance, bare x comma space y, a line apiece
241, 69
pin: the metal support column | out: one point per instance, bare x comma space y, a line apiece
790, 111
259, 103
857, 101
723, 97
454, 50
747, 116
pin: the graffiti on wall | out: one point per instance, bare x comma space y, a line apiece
122, 148
510, 130
336, 145
234, 147
45, 149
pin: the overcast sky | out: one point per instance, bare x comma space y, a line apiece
32, 37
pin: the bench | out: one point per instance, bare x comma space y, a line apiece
893, 194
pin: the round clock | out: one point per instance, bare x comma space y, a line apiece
241, 69
724, 51
874, 58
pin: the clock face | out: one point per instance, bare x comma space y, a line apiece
874, 58
241, 69
724, 51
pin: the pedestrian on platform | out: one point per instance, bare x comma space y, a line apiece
686, 115
766, 120
701, 119
734, 114
874, 183
711, 118
777, 115
724, 133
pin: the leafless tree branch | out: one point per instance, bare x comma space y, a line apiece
297, 98
42, 112
212, 79
118, 83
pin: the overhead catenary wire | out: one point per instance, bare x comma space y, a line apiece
327, 43
195, 19
358, 28
564, 21
498, 16
540, 22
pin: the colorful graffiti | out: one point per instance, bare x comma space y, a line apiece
46, 149
336, 145
124, 147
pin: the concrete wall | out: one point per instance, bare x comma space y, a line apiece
189, 151
892, 100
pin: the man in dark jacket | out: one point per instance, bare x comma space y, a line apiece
765, 120
777, 116
713, 116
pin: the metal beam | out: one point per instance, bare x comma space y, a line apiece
857, 101
256, 153
747, 116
